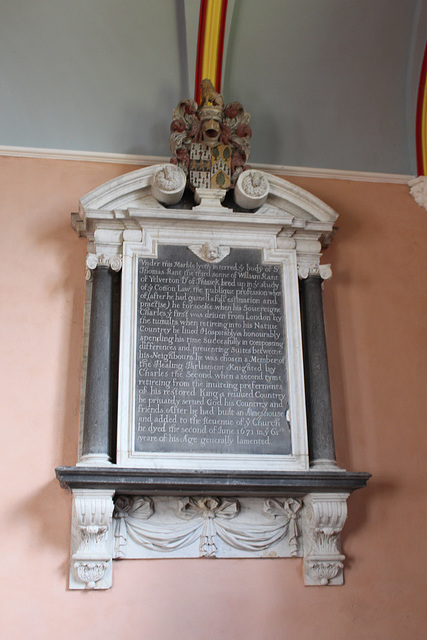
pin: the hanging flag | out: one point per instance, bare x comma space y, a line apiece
210, 44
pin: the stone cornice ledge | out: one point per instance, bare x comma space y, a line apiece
141, 160
125, 480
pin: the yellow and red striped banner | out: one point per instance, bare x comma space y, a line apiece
421, 123
210, 43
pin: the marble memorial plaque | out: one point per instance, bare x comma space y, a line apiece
211, 371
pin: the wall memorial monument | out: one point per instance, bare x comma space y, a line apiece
206, 424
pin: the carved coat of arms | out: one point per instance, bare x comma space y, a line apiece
210, 141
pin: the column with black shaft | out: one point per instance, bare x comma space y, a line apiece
100, 416
316, 374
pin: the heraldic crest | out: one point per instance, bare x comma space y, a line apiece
210, 142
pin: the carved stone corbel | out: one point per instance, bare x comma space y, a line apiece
91, 562
324, 516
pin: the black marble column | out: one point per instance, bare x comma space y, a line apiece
100, 418
316, 374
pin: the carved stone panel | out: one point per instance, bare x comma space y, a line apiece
211, 360
208, 527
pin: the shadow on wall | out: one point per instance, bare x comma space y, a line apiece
362, 505
46, 516
70, 284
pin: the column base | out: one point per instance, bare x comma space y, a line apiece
95, 460
323, 464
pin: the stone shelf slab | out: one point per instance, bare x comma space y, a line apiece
220, 483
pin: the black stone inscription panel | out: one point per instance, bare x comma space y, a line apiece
211, 364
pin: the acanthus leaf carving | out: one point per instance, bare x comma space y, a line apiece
324, 571
90, 572
325, 516
92, 512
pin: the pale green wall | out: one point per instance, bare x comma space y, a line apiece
329, 83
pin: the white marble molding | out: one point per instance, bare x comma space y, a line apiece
124, 220
148, 527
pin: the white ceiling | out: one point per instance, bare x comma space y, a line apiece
329, 83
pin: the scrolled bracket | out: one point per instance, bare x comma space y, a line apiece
324, 517
91, 562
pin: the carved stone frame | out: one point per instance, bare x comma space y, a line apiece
126, 456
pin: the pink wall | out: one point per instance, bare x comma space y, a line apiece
375, 308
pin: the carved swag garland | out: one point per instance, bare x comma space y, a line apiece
206, 519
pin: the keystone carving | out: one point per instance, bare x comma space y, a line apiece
210, 252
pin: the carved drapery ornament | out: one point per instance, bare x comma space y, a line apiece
207, 520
